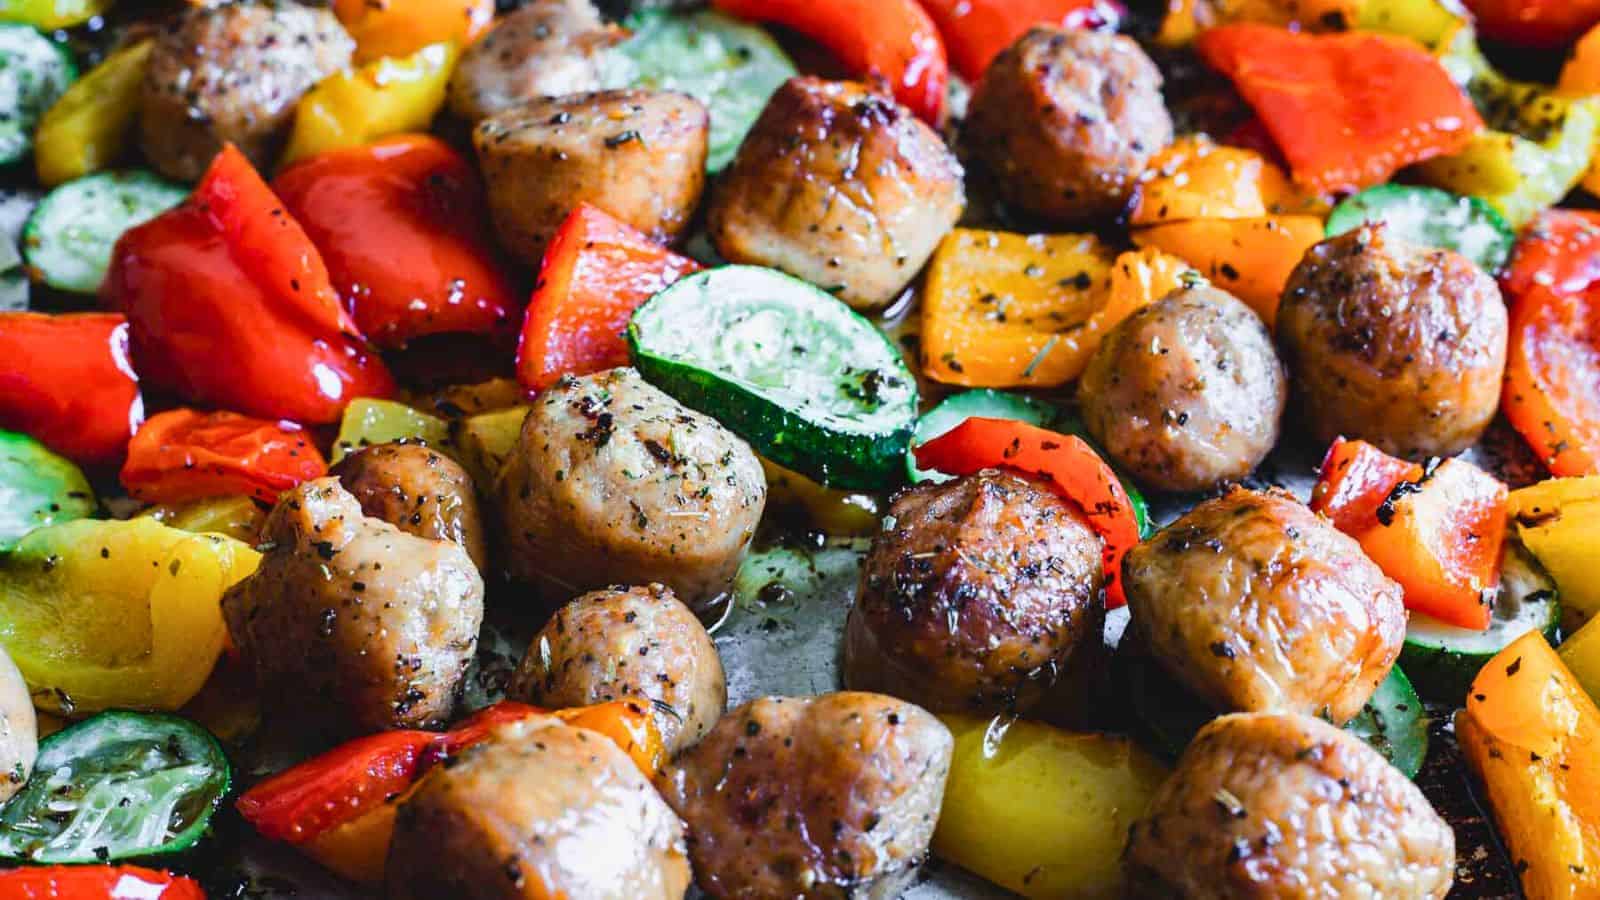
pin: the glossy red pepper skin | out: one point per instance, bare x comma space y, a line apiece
975, 31
67, 382
96, 883
1535, 23
596, 272
229, 305
182, 455
1066, 463
1346, 110
401, 225
889, 40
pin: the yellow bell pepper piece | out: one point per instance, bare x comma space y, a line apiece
369, 422
1012, 310
358, 106
1529, 730
1558, 521
486, 440
48, 15
1249, 258
1425, 21
102, 614
1041, 811
1581, 653
833, 512
91, 125
236, 516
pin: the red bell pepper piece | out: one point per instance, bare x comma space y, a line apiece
229, 305
401, 226
1069, 465
1535, 23
1438, 531
1552, 389
889, 40
96, 883
975, 31
300, 803
1347, 110
596, 272
184, 455
67, 382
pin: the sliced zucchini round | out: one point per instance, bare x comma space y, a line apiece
1433, 218
69, 238
120, 785
1395, 723
34, 72
812, 386
37, 488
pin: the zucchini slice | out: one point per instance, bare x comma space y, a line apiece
120, 785
69, 238
1433, 218
1443, 659
34, 73
37, 488
1395, 723
812, 386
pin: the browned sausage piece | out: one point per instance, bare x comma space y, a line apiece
1066, 120
1186, 393
539, 811
976, 598
1400, 345
351, 622
547, 48
1287, 806
827, 797
841, 187
614, 482
622, 643
638, 155
417, 490
233, 72
1257, 603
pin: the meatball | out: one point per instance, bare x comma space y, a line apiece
1399, 345
417, 490
623, 643
1065, 121
352, 622
233, 73
548, 48
1257, 604
841, 187
1287, 806
976, 598
1186, 393
638, 155
612, 481
833, 796
539, 810
19, 729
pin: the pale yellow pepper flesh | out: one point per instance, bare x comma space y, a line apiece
1558, 521
384, 97
91, 125
368, 422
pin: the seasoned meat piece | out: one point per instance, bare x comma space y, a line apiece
1287, 806
624, 643
976, 598
841, 187
1256, 603
827, 797
351, 622
1399, 345
417, 490
1065, 120
638, 155
1186, 393
19, 729
612, 481
539, 811
548, 48
234, 72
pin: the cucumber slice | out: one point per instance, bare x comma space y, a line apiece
1395, 723
69, 238
37, 488
1433, 218
813, 386
1443, 659
34, 73
120, 785
957, 408
732, 67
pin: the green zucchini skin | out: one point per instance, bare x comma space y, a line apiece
156, 779
34, 72
796, 373
1433, 218
37, 488
70, 236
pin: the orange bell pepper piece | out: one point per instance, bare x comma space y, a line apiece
402, 27
1196, 178
183, 455
1347, 110
1249, 258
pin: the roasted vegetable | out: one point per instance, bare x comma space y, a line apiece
486, 439
67, 381
182, 455
235, 515
37, 488
1559, 522
91, 125
368, 422
384, 97
395, 28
